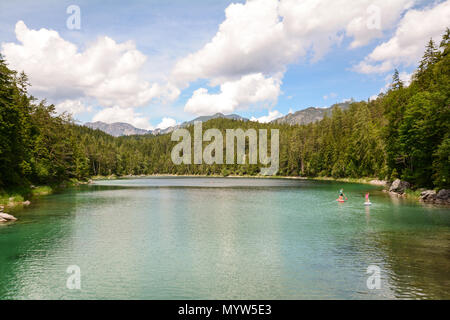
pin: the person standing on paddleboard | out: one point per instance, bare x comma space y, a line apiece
367, 203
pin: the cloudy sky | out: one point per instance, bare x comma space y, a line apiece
156, 63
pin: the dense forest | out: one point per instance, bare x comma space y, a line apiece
402, 134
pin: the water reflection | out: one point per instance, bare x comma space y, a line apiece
29, 246
367, 209
417, 264
193, 239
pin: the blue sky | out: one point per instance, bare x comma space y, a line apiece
167, 32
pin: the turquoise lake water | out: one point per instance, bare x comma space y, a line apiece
225, 238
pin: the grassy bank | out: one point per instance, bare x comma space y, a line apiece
413, 194
364, 180
23, 195
110, 177
7, 198
41, 191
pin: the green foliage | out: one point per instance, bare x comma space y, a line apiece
42, 191
441, 164
418, 121
403, 134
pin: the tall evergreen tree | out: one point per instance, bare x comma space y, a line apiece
396, 82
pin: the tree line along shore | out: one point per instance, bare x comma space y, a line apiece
403, 134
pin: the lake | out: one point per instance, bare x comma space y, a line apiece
225, 238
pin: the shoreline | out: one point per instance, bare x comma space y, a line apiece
365, 180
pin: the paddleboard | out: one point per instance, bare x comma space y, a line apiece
368, 203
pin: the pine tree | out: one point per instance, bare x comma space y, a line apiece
430, 57
396, 82
424, 75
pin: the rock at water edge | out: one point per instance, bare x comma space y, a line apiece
399, 186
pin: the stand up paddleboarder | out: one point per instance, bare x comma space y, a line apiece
341, 196
367, 203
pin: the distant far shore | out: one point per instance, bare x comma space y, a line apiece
15, 198
366, 180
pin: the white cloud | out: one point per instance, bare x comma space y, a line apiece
73, 107
322, 24
127, 115
275, 114
105, 70
166, 123
240, 94
378, 17
264, 36
406, 78
408, 43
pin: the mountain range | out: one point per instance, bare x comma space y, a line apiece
118, 129
304, 116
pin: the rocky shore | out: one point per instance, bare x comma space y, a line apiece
431, 196
4, 217
400, 188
